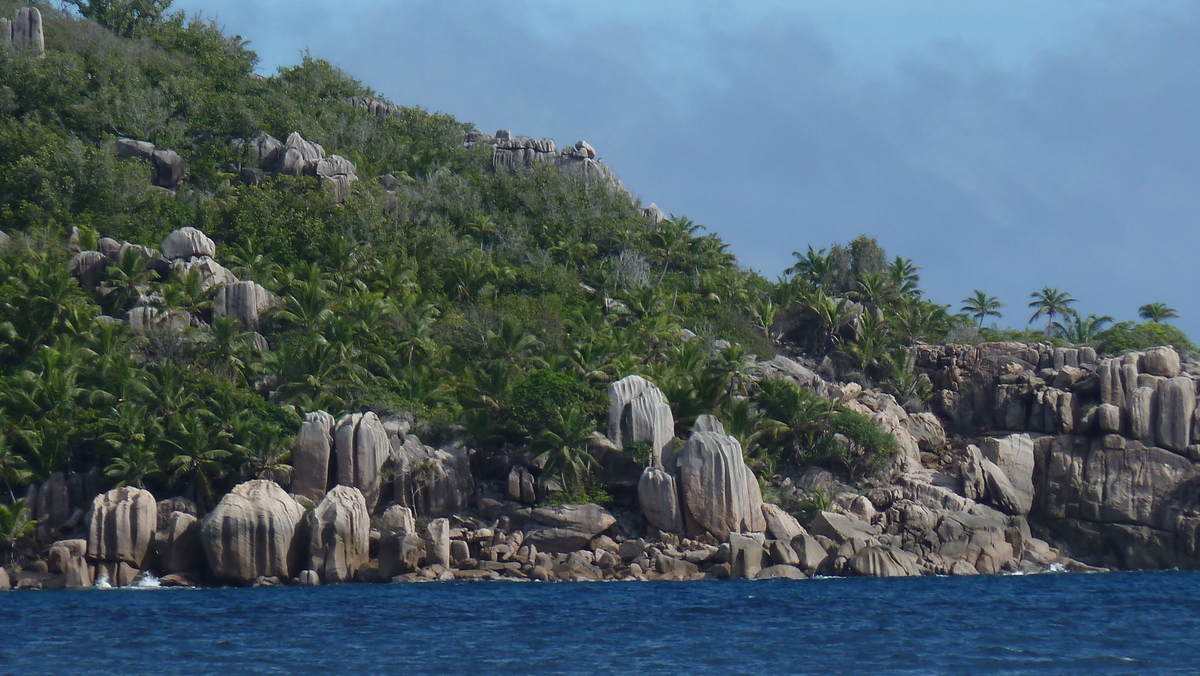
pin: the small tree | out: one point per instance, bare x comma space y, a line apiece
1157, 312
981, 306
1051, 303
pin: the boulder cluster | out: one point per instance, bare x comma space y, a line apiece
23, 33
523, 152
185, 249
267, 156
166, 166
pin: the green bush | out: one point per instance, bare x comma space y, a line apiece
1134, 336
537, 399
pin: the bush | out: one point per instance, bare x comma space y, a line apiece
1135, 336
537, 399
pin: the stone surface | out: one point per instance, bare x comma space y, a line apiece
253, 532
746, 555
187, 243
1176, 405
1013, 455
179, 544
23, 34
361, 446
168, 169
780, 524
297, 154
433, 482
780, 572
437, 542
123, 522
397, 519
720, 493
809, 553
566, 528
245, 301
878, 561
400, 553
840, 527
659, 500
89, 267
1161, 361
638, 411
339, 535
311, 454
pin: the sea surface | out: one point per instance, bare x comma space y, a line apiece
1117, 623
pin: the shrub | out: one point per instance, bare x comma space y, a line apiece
1135, 336
538, 398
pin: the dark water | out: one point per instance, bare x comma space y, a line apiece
1091, 624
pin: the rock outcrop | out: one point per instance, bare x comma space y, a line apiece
339, 535
522, 152
23, 33
245, 301
311, 456
638, 411
720, 493
566, 528
361, 447
186, 243
253, 533
658, 498
123, 522
432, 482
167, 168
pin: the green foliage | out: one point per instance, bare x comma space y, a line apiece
538, 399
15, 525
123, 17
1134, 336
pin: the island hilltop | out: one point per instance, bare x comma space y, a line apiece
279, 330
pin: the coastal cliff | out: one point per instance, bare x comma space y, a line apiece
283, 331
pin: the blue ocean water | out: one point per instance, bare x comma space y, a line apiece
1056, 623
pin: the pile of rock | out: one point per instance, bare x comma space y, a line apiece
523, 152
166, 166
23, 33
267, 157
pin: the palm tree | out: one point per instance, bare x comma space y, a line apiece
903, 275
196, 461
563, 449
15, 525
1156, 312
1051, 302
1080, 330
814, 266
981, 306
12, 467
669, 238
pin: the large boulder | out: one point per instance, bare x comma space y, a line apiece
659, 500
433, 482
746, 555
362, 447
67, 558
187, 243
842, 528
253, 533
212, 274
437, 542
178, 544
168, 168
1013, 455
720, 493
339, 535
1176, 405
638, 411
781, 525
400, 553
297, 154
1161, 361
89, 267
566, 528
876, 561
311, 454
23, 33
123, 522
245, 301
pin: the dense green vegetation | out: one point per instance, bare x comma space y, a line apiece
493, 306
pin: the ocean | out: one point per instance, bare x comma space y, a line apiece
1114, 623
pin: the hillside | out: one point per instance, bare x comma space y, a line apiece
209, 277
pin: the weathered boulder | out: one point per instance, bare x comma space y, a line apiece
745, 555
433, 482
522, 486
123, 522
781, 552
362, 446
1141, 414
339, 535
1176, 405
144, 318
780, 572
52, 507
877, 561
212, 274
23, 34
1002, 493
89, 267
311, 454
168, 169
638, 411
1108, 418
400, 553
1013, 455
245, 301
437, 542
566, 528
178, 544
253, 533
264, 150
841, 528
809, 553
781, 525
659, 500
720, 493
1161, 361
297, 154
187, 243
127, 147
5, 583
67, 557
397, 519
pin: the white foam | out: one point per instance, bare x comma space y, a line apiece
102, 582
146, 580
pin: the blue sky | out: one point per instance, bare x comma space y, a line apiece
1003, 146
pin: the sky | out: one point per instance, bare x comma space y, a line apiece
1003, 146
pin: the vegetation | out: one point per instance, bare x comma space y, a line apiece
494, 306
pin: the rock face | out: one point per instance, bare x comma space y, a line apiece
1013, 455
566, 528
187, 243
659, 500
437, 542
1176, 405
362, 447
167, 168
123, 522
212, 274
638, 411
245, 301
297, 154
433, 482
179, 544
339, 535
23, 33
781, 525
720, 494
522, 152
253, 533
311, 454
